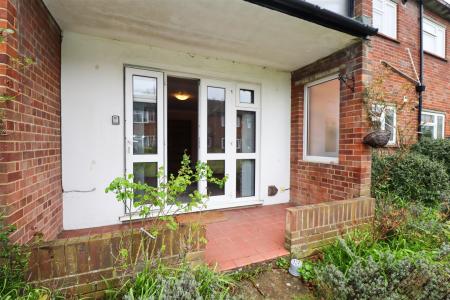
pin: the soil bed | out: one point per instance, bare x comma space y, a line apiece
272, 283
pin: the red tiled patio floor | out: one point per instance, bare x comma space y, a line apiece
245, 236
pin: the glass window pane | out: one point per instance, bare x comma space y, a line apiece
245, 178
146, 172
426, 118
428, 131
216, 120
246, 96
145, 133
218, 168
389, 123
245, 131
323, 119
144, 88
440, 127
429, 42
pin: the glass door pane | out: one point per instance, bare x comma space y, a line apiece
218, 168
245, 178
145, 128
245, 131
246, 158
216, 119
217, 138
144, 96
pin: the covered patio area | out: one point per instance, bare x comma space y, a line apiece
236, 237
246, 236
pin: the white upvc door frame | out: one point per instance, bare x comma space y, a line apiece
130, 157
228, 155
228, 200
254, 107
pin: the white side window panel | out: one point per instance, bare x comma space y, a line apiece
384, 16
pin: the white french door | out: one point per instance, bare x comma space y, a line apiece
144, 124
229, 141
228, 134
216, 137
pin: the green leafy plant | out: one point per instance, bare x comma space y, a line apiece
405, 255
159, 203
435, 149
306, 271
163, 200
13, 260
13, 266
182, 282
385, 278
282, 263
410, 176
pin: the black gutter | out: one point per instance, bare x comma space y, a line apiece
420, 88
315, 14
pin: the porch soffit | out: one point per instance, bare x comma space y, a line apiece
227, 29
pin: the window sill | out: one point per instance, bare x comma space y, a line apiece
435, 56
386, 37
393, 145
321, 160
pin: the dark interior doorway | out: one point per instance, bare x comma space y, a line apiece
182, 117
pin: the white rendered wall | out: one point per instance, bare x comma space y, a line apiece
337, 6
93, 90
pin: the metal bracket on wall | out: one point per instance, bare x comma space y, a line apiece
345, 78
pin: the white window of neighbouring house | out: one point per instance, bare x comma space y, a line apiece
433, 38
388, 120
385, 17
321, 122
433, 124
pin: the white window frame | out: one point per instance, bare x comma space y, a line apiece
230, 156
437, 27
434, 124
383, 28
313, 158
386, 107
130, 157
248, 87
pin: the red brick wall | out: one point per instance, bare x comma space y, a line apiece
436, 70
349, 178
309, 227
30, 157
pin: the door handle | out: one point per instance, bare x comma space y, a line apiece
128, 146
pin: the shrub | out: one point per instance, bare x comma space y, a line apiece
410, 176
387, 278
435, 149
13, 260
406, 255
185, 282
13, 265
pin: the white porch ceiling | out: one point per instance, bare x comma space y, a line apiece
227, 29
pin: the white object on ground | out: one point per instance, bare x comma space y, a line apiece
295, 265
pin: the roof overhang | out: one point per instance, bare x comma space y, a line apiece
315, 14
439, 7
287, 36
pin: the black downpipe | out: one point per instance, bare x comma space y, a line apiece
351, 8
420, 88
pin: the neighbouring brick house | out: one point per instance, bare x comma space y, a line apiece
116, 83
